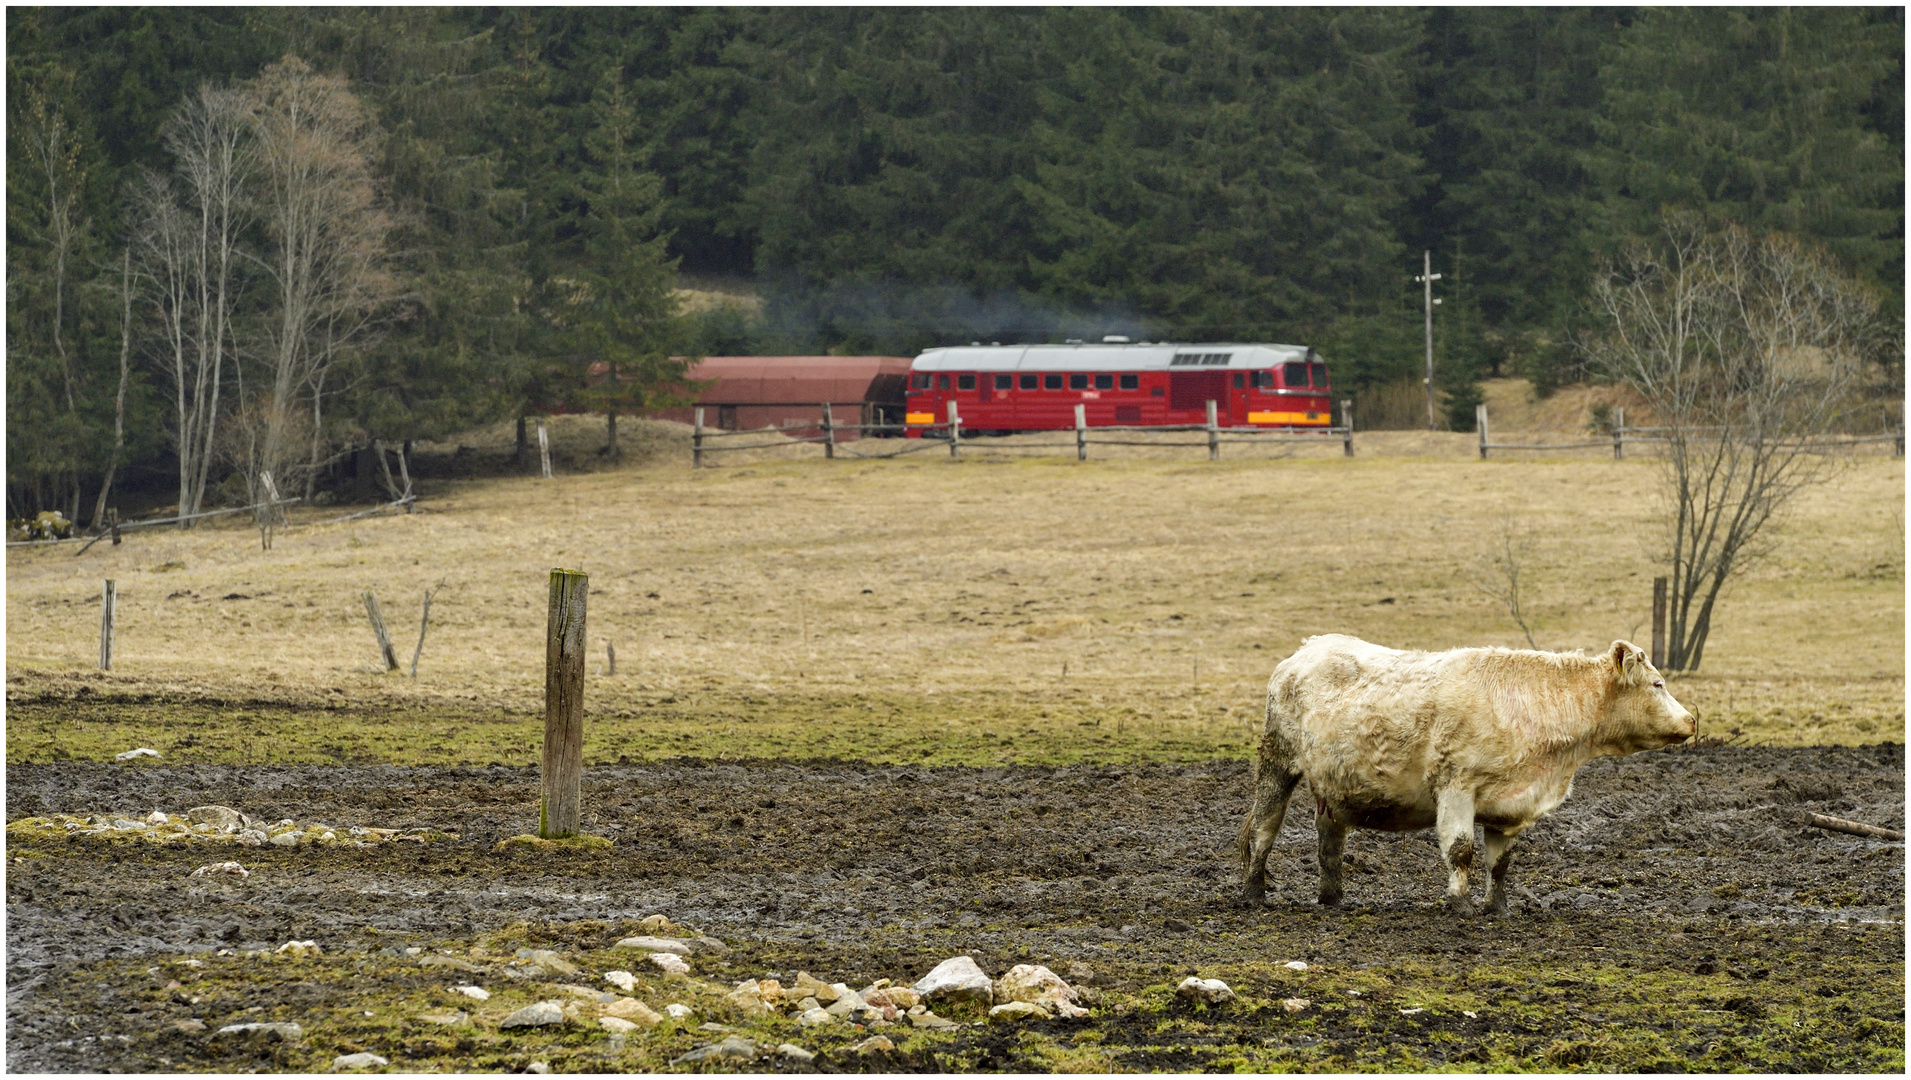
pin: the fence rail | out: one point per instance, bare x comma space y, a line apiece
949, 434
1622, 436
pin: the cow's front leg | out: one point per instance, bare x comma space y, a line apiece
1333, 841
1498, 852
1453, 819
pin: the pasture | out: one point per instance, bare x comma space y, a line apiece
870, 714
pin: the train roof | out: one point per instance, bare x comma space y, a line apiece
1153, 356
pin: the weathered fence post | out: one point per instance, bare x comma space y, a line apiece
558, 813
1214, 433
696, 440
829, 433
1081, 433
543, 450
1479, 421
610, 652
1658, 622
385, 651
1619, 434
955, 429
109, 600
1347, 429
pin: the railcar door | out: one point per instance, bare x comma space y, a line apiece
1190, 391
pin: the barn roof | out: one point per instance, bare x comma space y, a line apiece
800, 380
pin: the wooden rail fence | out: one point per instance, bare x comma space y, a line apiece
1623, 436
949, 434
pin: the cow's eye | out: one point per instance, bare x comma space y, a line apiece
1659, 685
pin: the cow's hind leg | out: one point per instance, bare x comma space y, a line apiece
1268, 809
1333, 844
1454, 822
1498, 851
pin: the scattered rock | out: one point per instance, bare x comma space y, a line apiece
539, 1067
443, 961
588, 993
542, 1014
1295, 1005
923, 1018
358, 1061
632, 1009
656, 924
1038, 985
449, 1019
1212, 991
1295, 965
1469, 1014
283, 1032
669, 963
808, 985
1018, 1010
847, 1001
250, 838
221, 868
616, 1024
1176, 926
285, 839
144, 751
716, 1029
678, 1012
1080, 974
748, 999
813, 1017
1413, 1012
157, 817
734, 1048
795, 1052
551, 962
192, 1026
475, 993
301, 948
956, 979
223, 818
901, 997
655, 945
875, 1044
622, 980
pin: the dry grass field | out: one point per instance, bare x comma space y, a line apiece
1008, 606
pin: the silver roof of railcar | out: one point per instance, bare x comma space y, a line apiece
1107, 357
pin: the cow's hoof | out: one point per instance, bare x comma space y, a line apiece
1251, 900
1496, 906
1330, 899
1462, 907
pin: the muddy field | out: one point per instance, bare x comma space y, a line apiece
1674, 914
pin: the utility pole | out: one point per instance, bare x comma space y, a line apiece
1427, 278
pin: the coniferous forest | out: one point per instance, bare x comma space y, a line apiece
247, 241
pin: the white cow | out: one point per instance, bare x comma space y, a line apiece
1396, 740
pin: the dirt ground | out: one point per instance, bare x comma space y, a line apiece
1674, 914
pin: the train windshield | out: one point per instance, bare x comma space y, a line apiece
1295, 375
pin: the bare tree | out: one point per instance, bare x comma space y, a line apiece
125, 371
1747, 347
326, 225
1502, 575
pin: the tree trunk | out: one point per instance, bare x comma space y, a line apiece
524, 441
610, 429
119, 402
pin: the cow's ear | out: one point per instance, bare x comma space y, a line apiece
1626, 659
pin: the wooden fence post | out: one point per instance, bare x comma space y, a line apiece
1619, 434
1214, 433
563, 770
829, 434
1081, 433
1347, 428
610, 652
1658, 622
543, 450
1479, 421
696, 439
109, 600
955, 429
385, 651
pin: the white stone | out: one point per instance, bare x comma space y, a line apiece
956, 979
538, 1067
1038, 985
616, 1024
1213, 991
678, 1012
301, 948
655, 944
847, 1001
286, 1032
542, 1014
795, 1052
251, 838
358, 1061
632, 1009
157, 817
813, 1017
285, 839
144, 751
875, 1044
221, 868
475, 993
1295, 965
622, 980
1295, 1005
669, 963
1412, 1012
1018, 1010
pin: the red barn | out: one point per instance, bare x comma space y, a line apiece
749, 392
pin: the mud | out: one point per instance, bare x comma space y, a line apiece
869, 871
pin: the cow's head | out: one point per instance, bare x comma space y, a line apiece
1644, 714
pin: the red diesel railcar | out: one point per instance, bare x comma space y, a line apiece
1007, 388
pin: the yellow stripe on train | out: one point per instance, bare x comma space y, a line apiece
1286, 418
919, 418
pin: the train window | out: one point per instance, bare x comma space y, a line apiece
1294, 375
1051, 382
965, 382
1154, 391
1078, 381
1263, 380
1104, 382
1240, 380
1005, 382
1131, 382
1320, 375
919, 381
1030, 382
942, 382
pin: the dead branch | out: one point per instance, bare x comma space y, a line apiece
1855, 828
